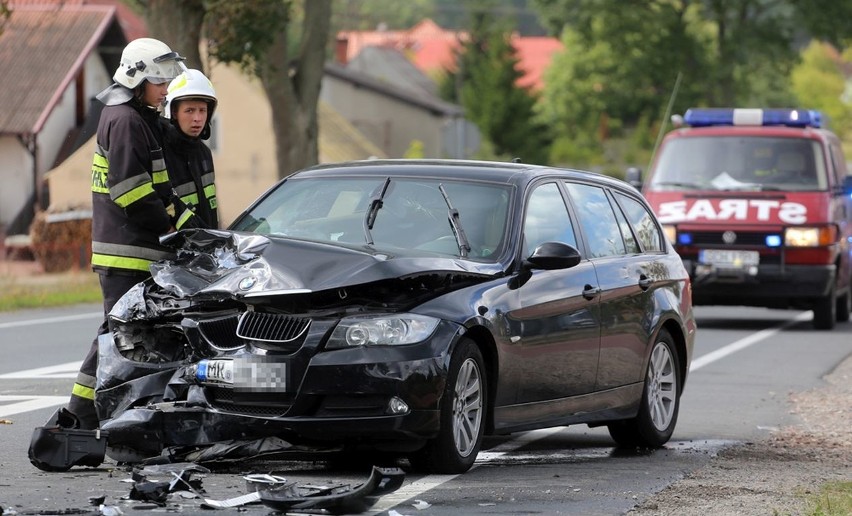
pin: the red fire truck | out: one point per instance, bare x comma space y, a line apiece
757, 202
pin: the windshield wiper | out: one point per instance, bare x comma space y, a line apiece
455, 224
376, 203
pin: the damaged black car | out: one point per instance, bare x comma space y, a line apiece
405, 306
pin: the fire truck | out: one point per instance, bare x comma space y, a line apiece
757, 203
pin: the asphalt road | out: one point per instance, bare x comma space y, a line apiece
746, 363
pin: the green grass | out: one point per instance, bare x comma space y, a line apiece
833, 499
48, 290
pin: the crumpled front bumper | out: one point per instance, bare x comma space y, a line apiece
342, 396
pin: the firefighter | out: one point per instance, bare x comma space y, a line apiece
133, 203
190, 104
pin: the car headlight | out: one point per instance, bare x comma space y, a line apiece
382, 330
810, 236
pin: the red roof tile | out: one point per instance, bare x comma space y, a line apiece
431, 47
41, 50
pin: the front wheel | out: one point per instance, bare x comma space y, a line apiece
463, 405
844, 306
660, 403
825, 311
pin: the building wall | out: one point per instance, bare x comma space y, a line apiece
16, 167
97, 77
389, 123
244, 149
16, 164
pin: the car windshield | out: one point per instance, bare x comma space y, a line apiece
740, 163
387, 213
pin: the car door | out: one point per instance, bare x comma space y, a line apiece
555, 328
626, 276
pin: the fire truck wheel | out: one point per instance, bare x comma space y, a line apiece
825, 311
844, 305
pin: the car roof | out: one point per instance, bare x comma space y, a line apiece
492, 171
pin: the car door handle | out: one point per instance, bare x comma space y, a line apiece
590, 292
644, 282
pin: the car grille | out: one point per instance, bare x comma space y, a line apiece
271, 327
221, 332
274, 330
253, 405
743, 238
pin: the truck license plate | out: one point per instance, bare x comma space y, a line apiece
727, 259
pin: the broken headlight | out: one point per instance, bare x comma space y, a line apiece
382, 330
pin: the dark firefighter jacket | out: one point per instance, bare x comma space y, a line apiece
133, 202
190, 165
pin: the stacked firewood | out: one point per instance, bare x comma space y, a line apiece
62, 241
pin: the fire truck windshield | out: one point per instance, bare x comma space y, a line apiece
748, 163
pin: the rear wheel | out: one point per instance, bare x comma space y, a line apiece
462, 416
660, 403
825, 311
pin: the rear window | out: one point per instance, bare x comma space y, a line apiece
747, 163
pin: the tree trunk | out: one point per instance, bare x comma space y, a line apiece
293, 86
178, 24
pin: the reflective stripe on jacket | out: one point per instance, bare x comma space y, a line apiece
130, 190
190, 163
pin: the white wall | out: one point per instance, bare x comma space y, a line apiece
97, 77
16, 172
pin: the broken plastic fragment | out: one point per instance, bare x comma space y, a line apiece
54, 447
237, 501
337, 498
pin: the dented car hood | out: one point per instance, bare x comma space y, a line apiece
244, 265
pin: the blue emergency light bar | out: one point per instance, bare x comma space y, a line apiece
705, 117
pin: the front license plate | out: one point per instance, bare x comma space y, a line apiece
215, 371
727, 259
260, 374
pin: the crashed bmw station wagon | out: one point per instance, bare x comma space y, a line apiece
408, 306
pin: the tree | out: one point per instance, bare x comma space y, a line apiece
743, 40
485, 85
819, 84
179, 25
281, 42
618, 68
4, 13
372, 14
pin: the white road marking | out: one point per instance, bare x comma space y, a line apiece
66, 370
51, 320
432, 481
743, 343
28, 403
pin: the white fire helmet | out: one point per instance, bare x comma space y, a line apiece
147, 59
191, 84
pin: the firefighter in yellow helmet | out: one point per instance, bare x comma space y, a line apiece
133, 204
190, 104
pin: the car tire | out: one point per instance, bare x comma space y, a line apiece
844, 306
462, 414
825, 311
658, 410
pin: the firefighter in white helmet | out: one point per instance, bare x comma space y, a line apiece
190, 104
133, 204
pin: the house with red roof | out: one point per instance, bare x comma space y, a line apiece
55, 58
432, 49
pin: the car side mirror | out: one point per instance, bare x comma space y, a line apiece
553, 255
633, 176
